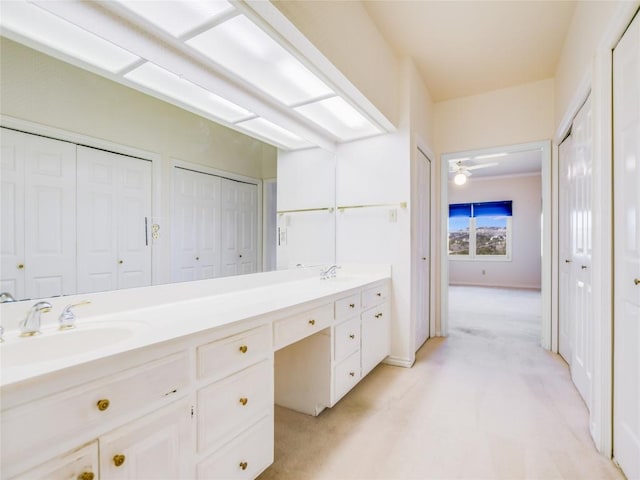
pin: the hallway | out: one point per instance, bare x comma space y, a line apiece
486, 402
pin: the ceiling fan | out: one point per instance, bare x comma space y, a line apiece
462, 172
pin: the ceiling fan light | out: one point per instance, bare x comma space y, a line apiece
460, 179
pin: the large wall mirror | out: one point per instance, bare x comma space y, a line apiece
120, 189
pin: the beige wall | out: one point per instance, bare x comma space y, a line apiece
346, 35
503, 117
41, 89
524, 269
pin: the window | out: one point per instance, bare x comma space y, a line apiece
480, 231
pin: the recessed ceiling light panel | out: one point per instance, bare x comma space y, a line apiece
56, 34
245, 50
178, 18
338, 117
171, 85
273, 133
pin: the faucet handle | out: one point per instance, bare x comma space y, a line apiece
67, 318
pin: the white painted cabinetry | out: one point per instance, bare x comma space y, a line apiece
81, 464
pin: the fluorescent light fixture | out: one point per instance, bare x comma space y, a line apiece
338, 117
174, 87
55, 34
274, 134
460, 179
490, 155
178, 17
249, 53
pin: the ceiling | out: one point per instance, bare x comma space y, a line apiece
508, 163
464, 48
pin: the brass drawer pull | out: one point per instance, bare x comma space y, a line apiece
352, 336
352, 305
244, 465
312, 322
243, 349
103, 404
118, 459
244, 400
86, 476
636, 281
20, 266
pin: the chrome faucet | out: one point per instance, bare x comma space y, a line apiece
67, 318
6, 297
31, 324
329, 272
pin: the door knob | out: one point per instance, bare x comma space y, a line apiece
583, 267
424, 258
240, 256
567, 261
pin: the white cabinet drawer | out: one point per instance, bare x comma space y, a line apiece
347, 307
301, 325
228, 355
345, 375
61, 417
80, 463
346, 337
375, 295
245, 457
231, 405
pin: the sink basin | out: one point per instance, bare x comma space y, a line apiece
55, 345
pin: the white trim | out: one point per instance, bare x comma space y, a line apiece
34, 128
496, 285
264, 224
545, 150
398, 362
512, 175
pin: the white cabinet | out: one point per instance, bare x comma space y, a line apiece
114, 213
79, 464
375, 336
156, 446
234, 406
38, 216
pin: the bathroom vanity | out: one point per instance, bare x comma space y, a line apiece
186, 389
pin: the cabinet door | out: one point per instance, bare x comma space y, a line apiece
80, 464
157, 446
375, 336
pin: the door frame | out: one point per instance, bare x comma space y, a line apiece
547, 233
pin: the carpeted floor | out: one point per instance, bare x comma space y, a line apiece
486, 402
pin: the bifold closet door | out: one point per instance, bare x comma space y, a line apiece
196, 226
565, 304
239, 227
114, 221
626, 146
424, 249
38, 216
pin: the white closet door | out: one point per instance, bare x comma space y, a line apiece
424, 248
566, 316
133, 222
626, 133
229, 227
196, 226
12, 216
114, 197
38, 216
581, 235
50, 213
247, 225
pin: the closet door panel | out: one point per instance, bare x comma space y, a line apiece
184, 231
12, 253
208, 232
229, 227
50, 221
247, 227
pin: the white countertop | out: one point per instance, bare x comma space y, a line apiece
134, 328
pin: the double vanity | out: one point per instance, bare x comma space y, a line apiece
181, 383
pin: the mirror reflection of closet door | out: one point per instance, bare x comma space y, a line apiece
239, 227
113, 213
38, 216
196, 226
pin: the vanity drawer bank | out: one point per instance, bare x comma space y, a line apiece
186, 389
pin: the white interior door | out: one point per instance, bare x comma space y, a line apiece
229, 232
12, 253
626, 133
424, 249
565, 257
247, 225
114, 210
581, 246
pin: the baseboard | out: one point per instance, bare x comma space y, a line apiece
398, 362
495, 285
